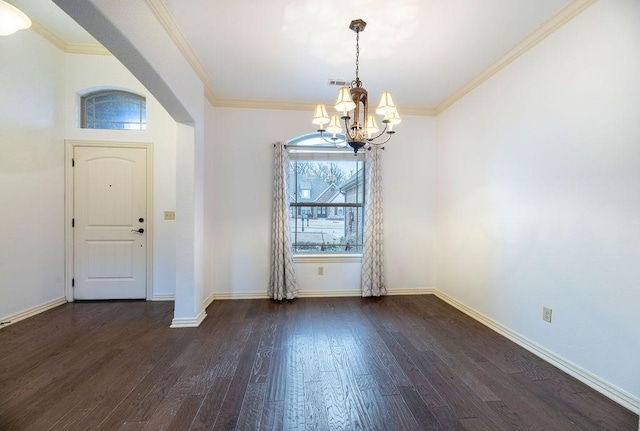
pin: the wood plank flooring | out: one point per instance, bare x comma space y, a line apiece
392, 363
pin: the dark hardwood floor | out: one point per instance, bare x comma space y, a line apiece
393, 363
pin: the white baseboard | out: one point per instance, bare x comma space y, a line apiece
412, 291
328, 293
305, 294
32, 311
208, 300
605, 388
242, 295
188, 322
322, 293
163, 297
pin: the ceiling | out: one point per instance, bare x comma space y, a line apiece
285, 51
46, 13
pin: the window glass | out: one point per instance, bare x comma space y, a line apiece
113, 109
326, 203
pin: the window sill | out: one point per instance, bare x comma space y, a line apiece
327, 258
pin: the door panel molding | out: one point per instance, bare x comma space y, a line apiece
70, 145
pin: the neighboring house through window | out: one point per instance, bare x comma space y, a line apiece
113, 109
326, 197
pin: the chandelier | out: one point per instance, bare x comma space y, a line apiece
362, 129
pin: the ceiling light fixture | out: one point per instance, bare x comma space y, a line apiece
12, 19
363, 130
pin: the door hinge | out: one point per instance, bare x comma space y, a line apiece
73, 282
73, 162
73, 222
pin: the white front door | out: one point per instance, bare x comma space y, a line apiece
110, 220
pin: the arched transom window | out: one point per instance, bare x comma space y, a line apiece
113, 109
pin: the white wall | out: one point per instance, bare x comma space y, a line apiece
208, 224
38, 110
137, 38
240, 197
31, 173
85, 72
539, 194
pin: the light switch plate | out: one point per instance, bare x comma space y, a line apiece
169, 215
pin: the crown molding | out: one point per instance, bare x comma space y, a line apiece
564, 15
163, 15
49, 35
421, 112
85, 48
71, 48
208, 94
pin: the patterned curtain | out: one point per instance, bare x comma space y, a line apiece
373, 281
282, 283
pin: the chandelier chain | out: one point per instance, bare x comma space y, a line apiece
357, 55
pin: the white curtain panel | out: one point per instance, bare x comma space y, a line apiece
282, 282
373, 281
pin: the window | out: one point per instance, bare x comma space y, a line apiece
326, 190
113, 109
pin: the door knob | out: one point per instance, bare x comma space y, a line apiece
138, 230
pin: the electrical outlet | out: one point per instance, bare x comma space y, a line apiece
321, 270
546, 314
169, 215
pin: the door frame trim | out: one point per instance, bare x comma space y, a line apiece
70, 145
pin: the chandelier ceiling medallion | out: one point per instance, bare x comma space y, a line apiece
362, 129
